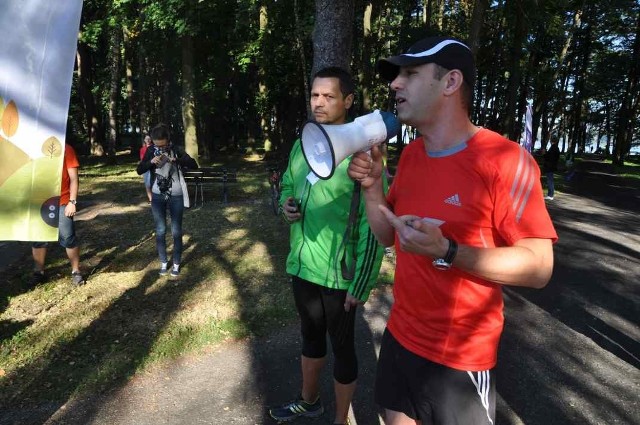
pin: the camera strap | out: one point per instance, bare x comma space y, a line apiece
349, 238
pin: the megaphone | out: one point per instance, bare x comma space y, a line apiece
326, 146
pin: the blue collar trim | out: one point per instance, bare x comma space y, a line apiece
452, 150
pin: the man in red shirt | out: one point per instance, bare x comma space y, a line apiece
66, 228
467, 215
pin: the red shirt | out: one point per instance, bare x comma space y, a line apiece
143, 150
70, 161
488, 194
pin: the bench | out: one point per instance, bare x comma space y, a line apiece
210, 176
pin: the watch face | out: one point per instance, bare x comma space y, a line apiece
441, 264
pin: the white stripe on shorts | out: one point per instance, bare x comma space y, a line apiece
482, 384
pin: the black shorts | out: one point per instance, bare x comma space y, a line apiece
322, 312
430, 392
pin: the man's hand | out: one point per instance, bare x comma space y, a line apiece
70, 210
290, 210
351, 301
366, 168
417, 236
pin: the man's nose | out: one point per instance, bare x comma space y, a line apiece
396, 83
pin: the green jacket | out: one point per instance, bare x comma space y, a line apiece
316, 239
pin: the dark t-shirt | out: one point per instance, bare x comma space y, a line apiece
551, 159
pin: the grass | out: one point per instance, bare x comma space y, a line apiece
57, 341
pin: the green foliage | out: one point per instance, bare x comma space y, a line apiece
247, 77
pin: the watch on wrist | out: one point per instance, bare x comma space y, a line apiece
444, 263
72, 201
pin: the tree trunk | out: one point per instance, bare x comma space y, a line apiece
265, 118
576, 134
143, 89
367, 73
515, 53
303, 59
128, 65
114, 88
332, 34
94, 126
626, 114
477, 19
188, 98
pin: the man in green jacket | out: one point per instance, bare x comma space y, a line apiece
333, 266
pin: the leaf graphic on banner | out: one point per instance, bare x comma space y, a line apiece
52, 147
11, 159
10, 119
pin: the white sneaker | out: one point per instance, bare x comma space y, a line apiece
548, 198
163, 269
175, 271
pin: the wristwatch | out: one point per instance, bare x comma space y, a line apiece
444, 263
72, 201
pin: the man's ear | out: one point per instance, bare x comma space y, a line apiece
348, 101
454, 81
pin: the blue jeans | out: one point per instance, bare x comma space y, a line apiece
66, 232
159, 209
550, 187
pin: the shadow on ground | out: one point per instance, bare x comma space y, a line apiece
569, 353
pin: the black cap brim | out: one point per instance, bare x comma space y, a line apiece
444, 51
390, 67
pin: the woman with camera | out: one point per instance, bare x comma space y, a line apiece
165, 162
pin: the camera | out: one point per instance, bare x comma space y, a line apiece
164, 184
163, 158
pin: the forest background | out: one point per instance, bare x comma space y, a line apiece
233, 75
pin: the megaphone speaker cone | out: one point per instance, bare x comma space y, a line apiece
326, 146
318, 150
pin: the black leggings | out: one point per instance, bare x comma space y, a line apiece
321, 310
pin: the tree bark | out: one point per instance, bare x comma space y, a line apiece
626, 114
477, 19
114, 88
332, 34
188, 98
128, 67
520, 31
94, 126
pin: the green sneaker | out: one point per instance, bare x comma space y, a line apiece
295, 409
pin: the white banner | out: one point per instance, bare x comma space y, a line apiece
37, 55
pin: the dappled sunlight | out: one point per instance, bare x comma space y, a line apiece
72, 311
213, 300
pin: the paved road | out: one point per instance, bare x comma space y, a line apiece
570, 353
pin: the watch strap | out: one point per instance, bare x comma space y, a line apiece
445, 262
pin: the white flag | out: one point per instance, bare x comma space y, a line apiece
528, 124
37, 55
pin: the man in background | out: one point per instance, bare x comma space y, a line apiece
66, 228
321, 244
550, 166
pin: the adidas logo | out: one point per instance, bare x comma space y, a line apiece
453, 200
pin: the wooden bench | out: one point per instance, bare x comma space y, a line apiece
210, 176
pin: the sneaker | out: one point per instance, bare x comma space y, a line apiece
163, 269
548, 198
295, 409
77, 279
37, 278
175, 270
